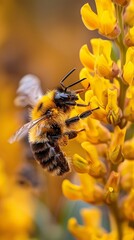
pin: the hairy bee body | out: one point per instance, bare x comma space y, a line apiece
50, 125
46, 141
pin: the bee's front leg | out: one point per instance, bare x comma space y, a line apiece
80, 116
73, 133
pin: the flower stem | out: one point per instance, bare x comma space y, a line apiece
122, 50
115, 212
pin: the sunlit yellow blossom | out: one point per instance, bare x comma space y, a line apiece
91, 22
114, 113
100, 134
112, 188
97, 168
126, 170
88, 191
100, 86
72, 191
99, 61
87, 58
80, 164
104, 20
94, 132
106, 165
128, 70
115, 150
129, 14
84, 73
129, 37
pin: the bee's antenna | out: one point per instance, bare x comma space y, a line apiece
63, 79
74, 83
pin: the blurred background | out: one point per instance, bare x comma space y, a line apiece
43, 38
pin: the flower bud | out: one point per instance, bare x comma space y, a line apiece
80, 164
111, 188
115, 150
114, 113
97, 168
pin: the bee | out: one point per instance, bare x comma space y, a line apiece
50, 125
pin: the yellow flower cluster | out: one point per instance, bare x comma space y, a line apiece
16, 209
106, 168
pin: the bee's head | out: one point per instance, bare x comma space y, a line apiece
64, 97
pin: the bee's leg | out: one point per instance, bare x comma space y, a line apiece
73, 133
78, 117
77, 104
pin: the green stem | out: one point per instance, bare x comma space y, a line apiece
115, 212
122, 51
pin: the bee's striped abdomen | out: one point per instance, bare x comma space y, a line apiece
50, 156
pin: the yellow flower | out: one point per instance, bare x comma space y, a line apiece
126, 170
128, 69
92, 227
100, 61
127, 206
106, 166
97, 168
3, 180
129, 14
92, 194
128, 149
104, 20
128, 231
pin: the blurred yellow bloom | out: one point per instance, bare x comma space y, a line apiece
128, 232
3, 180
126, 170
104, 20
128, 149
16, 209
127, 206
92, 227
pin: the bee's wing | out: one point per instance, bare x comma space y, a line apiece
29, 91
22, 132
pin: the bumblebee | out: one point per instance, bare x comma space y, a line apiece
50, 125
